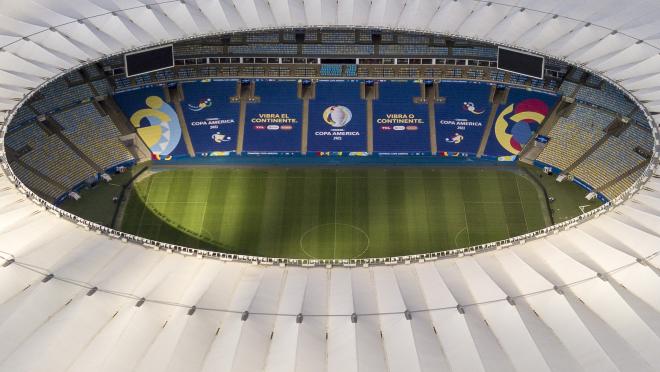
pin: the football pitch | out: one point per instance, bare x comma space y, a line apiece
334, 212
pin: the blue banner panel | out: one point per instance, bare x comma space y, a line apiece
462, 119
211, 117
155, 120
400, 125
337, 119
517, 121
274, 124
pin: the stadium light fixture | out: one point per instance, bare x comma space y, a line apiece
192, 310
140, 302
92, 291
299, 318
407, 314
354, 318
47, 278
245, 315
460, 309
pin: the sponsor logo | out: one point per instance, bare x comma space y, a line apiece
286, 127
518, 122
386, 128
399, 127
201, 105
259, 127
219, 137
412, 127
273, 127
470, 107
337, 116
455, 139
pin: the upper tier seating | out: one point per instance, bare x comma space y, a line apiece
260, 49
338, 37
338, 49
58, 94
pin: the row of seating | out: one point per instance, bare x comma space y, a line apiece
339, 37
58, 94
259, 49
475, 52
574, 135
56, 160
338, 49
95, 135
413, 50
44, 187
622, 185
614, 157
607, 97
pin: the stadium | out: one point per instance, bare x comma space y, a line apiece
351, 185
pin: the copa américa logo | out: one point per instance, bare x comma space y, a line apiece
455, 139
470, 107
201, 105
337, 116
219, 137
518, 122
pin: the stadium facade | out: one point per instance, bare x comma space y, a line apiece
579, 297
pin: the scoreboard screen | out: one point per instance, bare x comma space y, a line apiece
520, 62
149, 60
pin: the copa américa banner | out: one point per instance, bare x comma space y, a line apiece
462, 118
211, 117
337, 118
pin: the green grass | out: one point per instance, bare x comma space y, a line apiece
334, 212
96, 204
568, 196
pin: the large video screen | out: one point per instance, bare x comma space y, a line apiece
149, 60
520, 62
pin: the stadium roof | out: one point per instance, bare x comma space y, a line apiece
585, 299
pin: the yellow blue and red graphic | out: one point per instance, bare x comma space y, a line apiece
518, 122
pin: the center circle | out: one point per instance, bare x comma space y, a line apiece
334, 240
